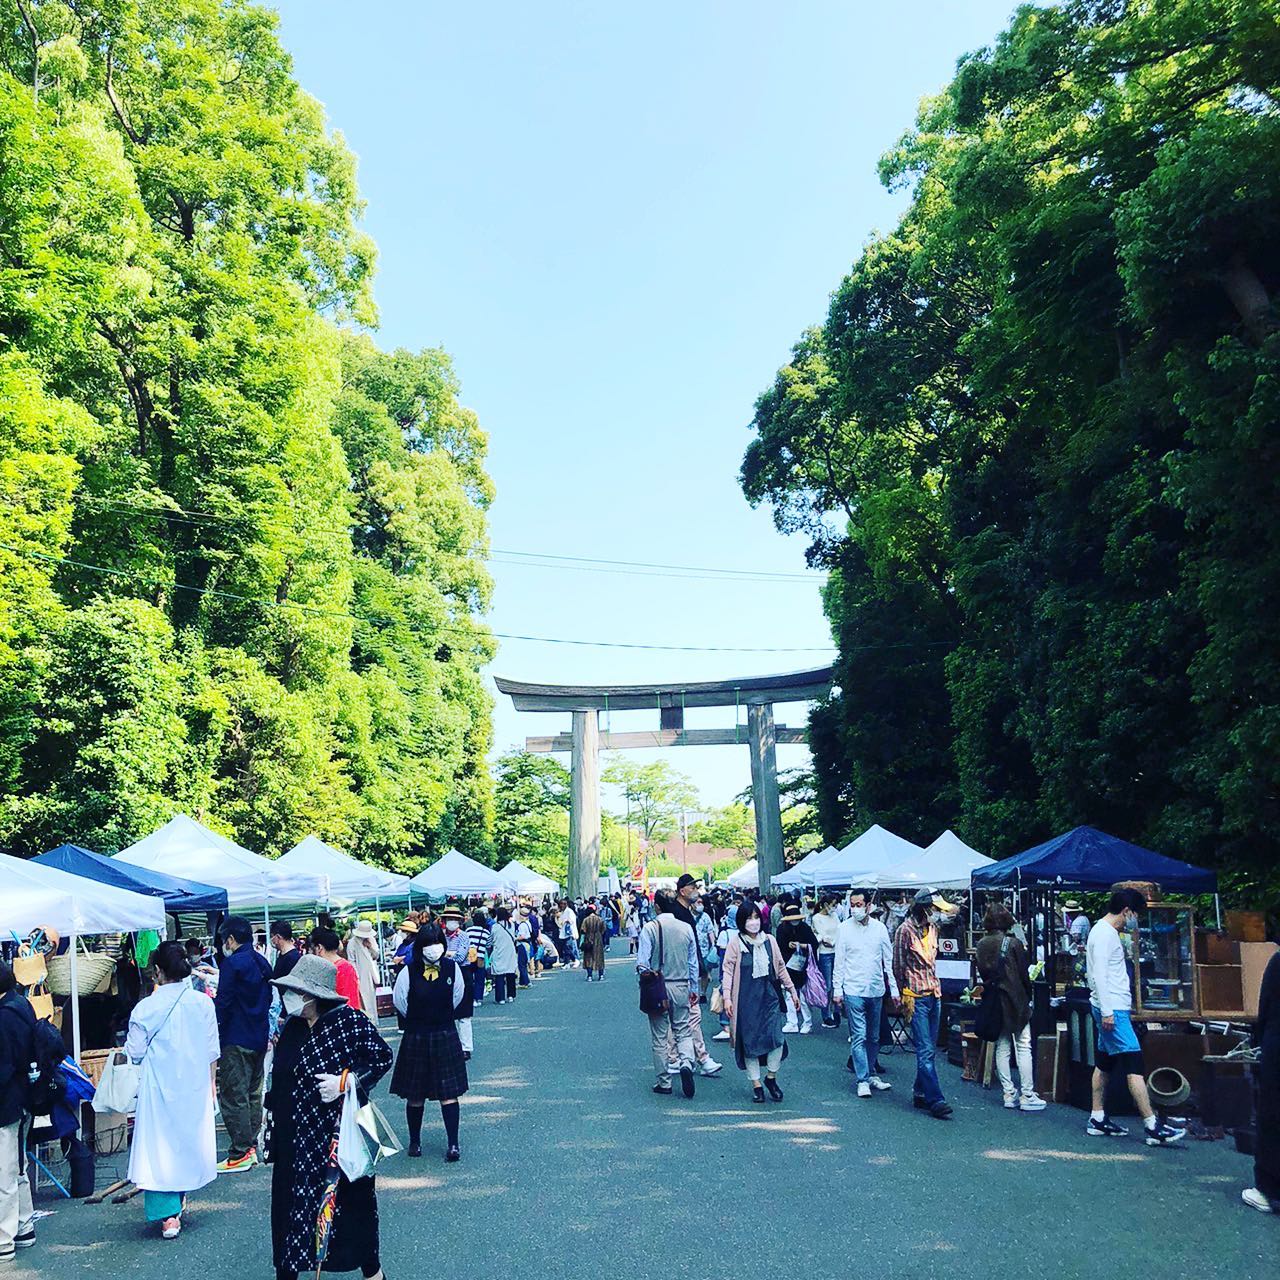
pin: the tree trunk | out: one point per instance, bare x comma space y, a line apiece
1249, 297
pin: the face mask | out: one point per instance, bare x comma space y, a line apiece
452, 926
1131, 923
753, 927
697, 908
433, 952
858, 913
294, 1003
935, 917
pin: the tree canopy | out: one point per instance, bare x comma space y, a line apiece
242, 550
1034, 443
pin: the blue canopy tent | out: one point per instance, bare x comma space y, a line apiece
1087, 858
178, 894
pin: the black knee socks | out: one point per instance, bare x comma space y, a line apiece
413, 1118
449, 1114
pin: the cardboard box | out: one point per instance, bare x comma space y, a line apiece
1254, 958
1246, 926
1216, 948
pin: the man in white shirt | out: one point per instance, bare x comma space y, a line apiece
863, 965
1111, 997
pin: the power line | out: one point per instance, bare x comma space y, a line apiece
383, 621
637, 568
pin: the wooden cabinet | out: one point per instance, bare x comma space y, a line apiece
1166, 976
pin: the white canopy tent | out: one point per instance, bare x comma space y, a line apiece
875, 850
524, 880
350, 880
75, 906
945, 864
747, 876
801, 875
455, 873
183, 847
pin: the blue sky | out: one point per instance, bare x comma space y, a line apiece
618, 218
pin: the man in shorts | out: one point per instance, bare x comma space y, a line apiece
1111, 996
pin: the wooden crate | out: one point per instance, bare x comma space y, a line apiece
1221, 988
1246, 926
1217, 948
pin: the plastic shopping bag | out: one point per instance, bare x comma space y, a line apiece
118, 1088
364, 1136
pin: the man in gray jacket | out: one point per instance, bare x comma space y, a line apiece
668, 946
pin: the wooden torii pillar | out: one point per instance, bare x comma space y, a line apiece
757, 693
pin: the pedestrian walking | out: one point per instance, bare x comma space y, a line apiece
430, 1065
825, 926
362, 952
478, 954
17, 1052
323, 1040
324, 943
567, 932
862, 968
754, 986
1111, 999
243, 1007
173, 1033
502, 957
594, 934
632, 928
287, 952
797, 941
684, 907
1002, 962
667, 947
1265, 1192
915, 956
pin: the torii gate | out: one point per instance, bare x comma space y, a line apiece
756, 693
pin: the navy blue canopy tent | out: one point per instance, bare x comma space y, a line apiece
1087, 858
178, 894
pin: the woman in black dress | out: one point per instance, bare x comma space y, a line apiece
1265, 1192
322, 1038
430, 1063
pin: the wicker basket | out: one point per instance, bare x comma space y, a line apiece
94, 969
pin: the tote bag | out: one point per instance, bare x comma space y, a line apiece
364, 1136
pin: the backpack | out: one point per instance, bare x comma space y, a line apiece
50, 1085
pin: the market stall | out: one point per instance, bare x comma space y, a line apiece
747, 876
527, 882
350, 881
946, 864
456, 875
177, 894
875, 850
37, 896
801, 875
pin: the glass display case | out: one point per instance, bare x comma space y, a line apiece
1166, 985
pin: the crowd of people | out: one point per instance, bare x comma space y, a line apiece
283, 1040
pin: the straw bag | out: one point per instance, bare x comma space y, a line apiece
94, 969
41, 1003
29, 968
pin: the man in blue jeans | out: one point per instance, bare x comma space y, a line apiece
915, 956
863, 967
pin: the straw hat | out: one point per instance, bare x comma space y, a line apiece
452, 911
409, 927
364, 929
1071, 905
313, 976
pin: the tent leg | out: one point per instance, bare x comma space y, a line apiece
75, 1001
1217, 907
377, 929
266, 928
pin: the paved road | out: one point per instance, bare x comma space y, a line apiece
573, 1169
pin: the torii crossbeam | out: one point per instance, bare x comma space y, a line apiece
756, 693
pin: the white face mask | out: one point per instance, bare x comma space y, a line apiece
858, 913
433, 952
753, 926
294, 1003
452, 926
935, 917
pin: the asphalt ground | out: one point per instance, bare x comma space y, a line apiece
572, 1168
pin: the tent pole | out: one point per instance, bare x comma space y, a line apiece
266, 929
377, 931
75, 1001
1217, 907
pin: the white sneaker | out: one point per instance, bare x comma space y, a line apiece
710, 1067
864, 1089
722, 1034
807, 1029
673, 1068
1031, 1102
789, 1028
879, 1085
1256, 1200
1011, 1102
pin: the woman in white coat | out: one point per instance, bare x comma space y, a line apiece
173, 1033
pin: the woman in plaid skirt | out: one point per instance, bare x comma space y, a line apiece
430, 1063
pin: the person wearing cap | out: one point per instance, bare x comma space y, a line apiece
430, 1064
361, 944
324, 1044
668, 947
685, 907
798, 942
915, 968
460, 949
408, 931
862, 970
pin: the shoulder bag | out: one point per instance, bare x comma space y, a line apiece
653, 986
118, 1089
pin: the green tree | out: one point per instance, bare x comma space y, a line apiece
730, 827
657, 793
